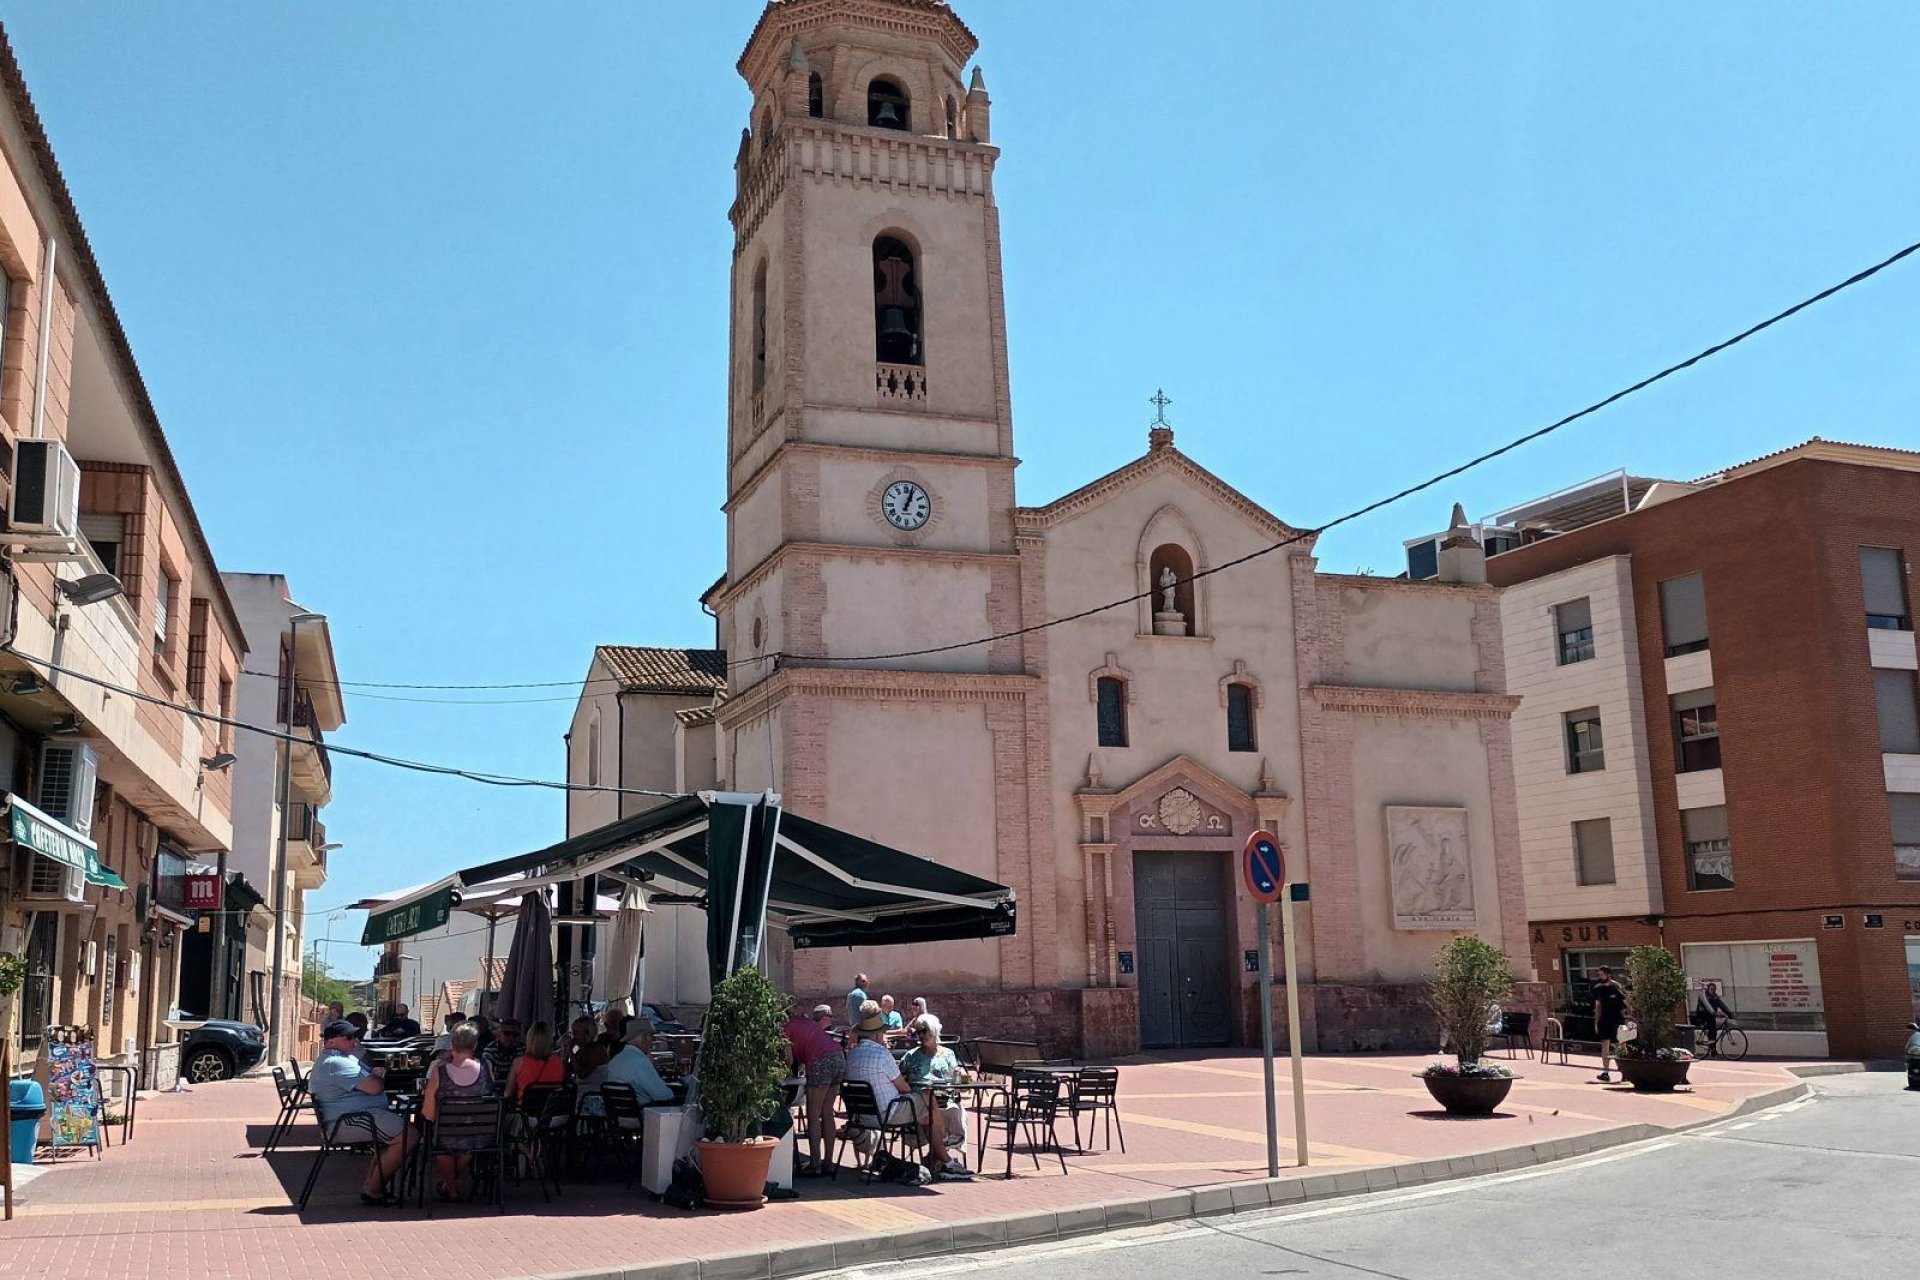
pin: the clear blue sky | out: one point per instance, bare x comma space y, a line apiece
432, 296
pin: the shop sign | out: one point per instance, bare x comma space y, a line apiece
396, 923
202, 892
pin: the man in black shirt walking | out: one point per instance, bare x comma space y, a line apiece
1609, 1012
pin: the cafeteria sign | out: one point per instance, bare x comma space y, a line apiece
419, 916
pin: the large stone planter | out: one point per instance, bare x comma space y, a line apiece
1653, 1075
1469, 1095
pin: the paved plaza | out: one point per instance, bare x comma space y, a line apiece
192, 1195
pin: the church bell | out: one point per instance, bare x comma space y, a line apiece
894, 326
887, 116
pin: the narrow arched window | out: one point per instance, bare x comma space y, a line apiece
1170, 579
1111, 699
1241, 732
593, 751
953, 117
766, 129
896, 303
759, 378
816, 96
888, 107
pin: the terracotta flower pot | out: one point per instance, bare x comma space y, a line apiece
736, 1172
1469, 1095
1653, 1075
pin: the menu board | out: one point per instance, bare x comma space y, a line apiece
73, 1090
1787, 985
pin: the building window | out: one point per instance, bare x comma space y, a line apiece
759, 373
197, 650
1593, 851
816, 96
1584, 746
1111, 697
36, 992
896, 303
226, 713
1423, 560
1904, 808
1770, 986
1573, 623
164, 603
953, 117
104, 534
1240, 730
1893, 696
1913, 973
1583, 970
1696, 726
1883, 581
1709, 850
593, 751
887, 106
1683, 614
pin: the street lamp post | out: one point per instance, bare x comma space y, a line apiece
275, 1039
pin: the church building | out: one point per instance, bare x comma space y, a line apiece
882, 665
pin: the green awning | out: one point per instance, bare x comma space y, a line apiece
430, 910
99, 873
51, 838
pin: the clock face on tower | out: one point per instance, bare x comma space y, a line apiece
906, 505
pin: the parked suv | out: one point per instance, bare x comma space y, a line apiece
220, 1049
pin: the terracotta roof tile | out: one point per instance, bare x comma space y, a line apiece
688, 671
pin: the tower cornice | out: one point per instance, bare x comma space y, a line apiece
782, 20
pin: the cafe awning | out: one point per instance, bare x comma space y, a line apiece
51, 838
828, 887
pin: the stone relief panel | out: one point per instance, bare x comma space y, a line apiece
1430, 868
1179, 812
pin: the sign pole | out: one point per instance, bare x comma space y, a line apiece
1266, 1037
1293, 1035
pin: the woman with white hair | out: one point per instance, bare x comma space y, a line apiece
457, 1074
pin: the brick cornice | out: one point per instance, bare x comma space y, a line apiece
1475, 590
875, 685
1425, 704
791, 448
1169, 458
911, 19
853, 551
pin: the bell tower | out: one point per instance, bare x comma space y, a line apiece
870, 462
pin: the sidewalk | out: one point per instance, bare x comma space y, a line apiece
191, 1195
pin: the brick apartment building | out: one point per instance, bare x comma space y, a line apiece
1718, 747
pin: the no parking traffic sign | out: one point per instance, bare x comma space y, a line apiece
1265, 866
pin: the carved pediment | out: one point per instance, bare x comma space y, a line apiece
1179, 812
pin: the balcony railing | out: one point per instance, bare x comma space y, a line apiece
901, 382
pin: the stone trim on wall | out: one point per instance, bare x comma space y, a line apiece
1111, 669
792, 548
1429, 704
1370, 583
1170, 457
1240, 675
875, 684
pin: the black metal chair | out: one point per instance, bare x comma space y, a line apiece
1030, 1104
1515, 1025
355, 1131
546, 1127
889, 1129
623, 1126
462, 1123
294, 1098
1094, 1092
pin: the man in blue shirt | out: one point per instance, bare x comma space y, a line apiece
341, 1085
856, 998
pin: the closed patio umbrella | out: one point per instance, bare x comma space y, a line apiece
626, 950
526, 988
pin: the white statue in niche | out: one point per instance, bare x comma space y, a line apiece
1430, 864
1168, 581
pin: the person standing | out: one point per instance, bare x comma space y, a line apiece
856, 998
823, 1062
1609, 1013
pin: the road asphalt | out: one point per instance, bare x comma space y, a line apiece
1822, 1187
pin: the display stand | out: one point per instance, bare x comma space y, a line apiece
73, 1088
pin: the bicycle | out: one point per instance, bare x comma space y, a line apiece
1724, 1040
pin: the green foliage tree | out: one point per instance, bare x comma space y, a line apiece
742, 1059
1470, 976
1656, 988
319, 985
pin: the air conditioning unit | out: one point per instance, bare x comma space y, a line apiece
46, 489
38, 878
68, 775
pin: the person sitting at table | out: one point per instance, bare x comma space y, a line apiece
870, 1062
538, 1067
916, 1009
445, 1038
932, 1067
819, 1057
584, 1053
358, 1021
341, 1085
500, 1052
632, 1066
890, 1015
612, 1019
460, 1074
399, 1026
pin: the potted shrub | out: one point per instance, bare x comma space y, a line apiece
1470, 977
1656, 989
742, 1062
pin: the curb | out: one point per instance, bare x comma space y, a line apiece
1197, 1202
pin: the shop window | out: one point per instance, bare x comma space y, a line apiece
1593, 851
1893, 696
1240, 726
1883, 581
1583, 970
1904, 809
1683, 614
1585, 749
1709, 848
36, 992
1111, 700
1913, 974
1696, 727
1769, 985
1573, 623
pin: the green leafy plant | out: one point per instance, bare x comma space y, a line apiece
318, 984
13, 974
742, 1059
1656, 988
1469, 1070
1470, 976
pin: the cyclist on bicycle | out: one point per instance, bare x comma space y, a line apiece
1708, 1011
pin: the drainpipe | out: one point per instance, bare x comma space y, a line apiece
41, 358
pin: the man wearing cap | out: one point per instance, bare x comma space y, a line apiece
870, 1062
818, 1056
341, 1085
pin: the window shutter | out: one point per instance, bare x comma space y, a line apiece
1593, 851
1905, 807
1575, 615
1884, 581
1694, 698
1683, 612
1893, 694
1704, 824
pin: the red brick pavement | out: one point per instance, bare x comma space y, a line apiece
191, 1195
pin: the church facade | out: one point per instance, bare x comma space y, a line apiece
885, 667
